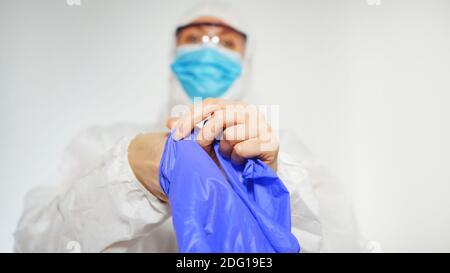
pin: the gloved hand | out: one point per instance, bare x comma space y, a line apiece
241, 128
144, 156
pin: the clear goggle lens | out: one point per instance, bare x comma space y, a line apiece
215, 33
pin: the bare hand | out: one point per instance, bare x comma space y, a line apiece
246, 134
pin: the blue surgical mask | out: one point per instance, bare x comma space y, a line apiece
206, 71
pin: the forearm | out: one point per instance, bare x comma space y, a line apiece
144, 156
106, 206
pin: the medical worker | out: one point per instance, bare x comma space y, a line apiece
109, 198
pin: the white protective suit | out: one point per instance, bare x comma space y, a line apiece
100, 206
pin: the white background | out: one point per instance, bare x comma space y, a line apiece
367, 87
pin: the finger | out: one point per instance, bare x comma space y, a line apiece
220, 120
235, 134
171, 122
264, 149
212, 128
225, 148
198, 112
249, 148
241, 132
201, 111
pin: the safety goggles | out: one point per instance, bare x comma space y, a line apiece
215, 33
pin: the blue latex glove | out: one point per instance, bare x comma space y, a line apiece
249, 211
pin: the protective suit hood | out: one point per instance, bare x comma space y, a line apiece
241, 87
